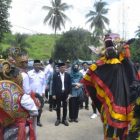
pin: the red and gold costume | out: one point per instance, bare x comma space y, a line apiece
14, 118
108, 84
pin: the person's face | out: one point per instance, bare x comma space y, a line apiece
85, 66
37, 66
62, 69
24, 64
75, 68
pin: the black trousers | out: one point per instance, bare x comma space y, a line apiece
86, 101
62, 98
52, 102
46, 93
73, 108
94, 107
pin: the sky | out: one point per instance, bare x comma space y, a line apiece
26, 16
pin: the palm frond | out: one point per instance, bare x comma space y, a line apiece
46, 8
64, 7
90, 19
48, 16
91, 13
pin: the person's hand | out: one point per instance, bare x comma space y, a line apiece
47, 88
78, 85
54, 97
69, 96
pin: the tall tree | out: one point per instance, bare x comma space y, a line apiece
97, 18
56, 17
4, 23
138, 32
73, 45
20, 41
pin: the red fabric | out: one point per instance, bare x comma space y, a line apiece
127, 51
100, 62
31, 128
1, 134
21, 129
138, 75
117, 109
36, 100
21, 123
114, 124
3, 117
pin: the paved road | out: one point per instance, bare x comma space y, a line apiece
85, 129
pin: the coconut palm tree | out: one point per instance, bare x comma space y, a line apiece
138, 32
97, 18
56, 17
20, 41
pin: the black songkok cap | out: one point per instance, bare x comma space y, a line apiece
61, 64
37, 61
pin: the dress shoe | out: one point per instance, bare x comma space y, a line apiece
57, 122
54, 108
87, 108
50, 109
39, 124
76, 120
65, 123
70, 120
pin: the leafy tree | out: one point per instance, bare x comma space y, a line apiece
97, 18
4, 23
20, 41
73, 45
56, 17
135, 50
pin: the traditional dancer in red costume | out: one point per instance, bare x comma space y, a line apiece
108, 83
17, 108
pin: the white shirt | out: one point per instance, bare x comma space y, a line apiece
62, 80
48, 70
37, 81
83, 71
25, 83
26, 100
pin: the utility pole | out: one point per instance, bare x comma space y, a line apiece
123, 20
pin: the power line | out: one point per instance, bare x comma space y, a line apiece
27, 29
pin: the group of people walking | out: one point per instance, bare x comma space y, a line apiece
65, 88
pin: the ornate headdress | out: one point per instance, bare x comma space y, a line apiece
18, 55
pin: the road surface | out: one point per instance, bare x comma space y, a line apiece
85, 129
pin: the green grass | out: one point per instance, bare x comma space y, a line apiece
41, 45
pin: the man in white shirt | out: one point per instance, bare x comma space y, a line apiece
48, 72
21, 61
38, 85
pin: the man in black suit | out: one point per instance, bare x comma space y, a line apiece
61, 90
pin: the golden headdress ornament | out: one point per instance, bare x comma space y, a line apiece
18, 55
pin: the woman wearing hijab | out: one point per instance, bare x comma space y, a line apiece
76, 76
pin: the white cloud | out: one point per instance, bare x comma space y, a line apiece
29, 14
